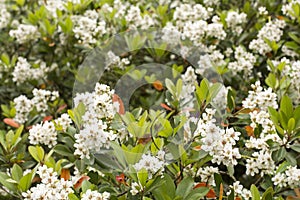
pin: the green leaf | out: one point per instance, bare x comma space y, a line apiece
143, 176
63, 150
282, 167
5, 59
73, 196
231, 195
3, 180
291, 158
271, 81
17, 135
294, 37
230, 100
254, 192
296, 147
25, 182
166, 190
291, 125
20, 2
16, 172
279, 154
268, 194
213, 91
197, 193
34, 153
86, 185
286, 106
184, 187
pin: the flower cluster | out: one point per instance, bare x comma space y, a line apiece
50, 187
234, 20
288, 10
113, 60
24, 71
218, 142
244, 61
207, 174
260, 98
94, 195
272, 31
95, 132
289, 178
46, 133
260, 163
5, 16
25, 33
153, 164
88, 27
239, 190
40, 100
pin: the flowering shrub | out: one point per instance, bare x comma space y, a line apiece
150, 99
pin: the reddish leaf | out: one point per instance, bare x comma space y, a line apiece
62, 107
116, 98
79, 182
250, 131
197, 148
144, 140
65, 174
211, 193
11, 122
158, 85
47, 118
120, 178
166, 107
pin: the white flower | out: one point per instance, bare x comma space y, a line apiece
88, 27
64, 121
290, 177
262, 10
244, 61
100, 110
151, 163
43, 133
288, 10
207, 174
260, 98
23, 70
136, 188
5, 17
234, 21
261, 162
50, 187
94, 195
23, 106
271, 31
25, 33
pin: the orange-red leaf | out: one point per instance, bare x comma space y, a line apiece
120, 178
221, 192
80, 181
62, 107
47, 118
11, 122
116, 98
65, 174
211, 193
197, 148
144, 140
249, 130
158, 85
165, 106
